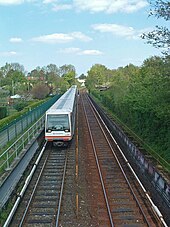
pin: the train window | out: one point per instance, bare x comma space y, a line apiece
58, 122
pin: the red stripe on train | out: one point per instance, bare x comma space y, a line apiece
64, 138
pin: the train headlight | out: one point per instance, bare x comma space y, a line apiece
66, 130
49, 130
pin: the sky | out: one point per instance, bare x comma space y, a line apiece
79, 32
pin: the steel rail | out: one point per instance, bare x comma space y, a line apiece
154, 207
35, 187
33, 192
99, 169
61, 192
27, 181
121, 168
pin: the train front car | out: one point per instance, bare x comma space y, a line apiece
58, 128
60, 119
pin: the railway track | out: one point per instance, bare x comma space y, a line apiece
42, 202
97, 184
124, 200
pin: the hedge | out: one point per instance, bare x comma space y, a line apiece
3, 111
7, 120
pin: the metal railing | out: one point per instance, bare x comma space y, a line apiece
8, 157
18, 126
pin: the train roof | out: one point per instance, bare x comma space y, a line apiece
65, 103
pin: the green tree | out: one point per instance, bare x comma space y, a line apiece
97, 76
5, 69
66, 69
69, 77
68, 73
37, 74
52, 68
52, 77
159, 37
13, 76
20, 105
1, 78
82, 77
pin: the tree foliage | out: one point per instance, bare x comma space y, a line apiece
3, 112
160, 36
68, 73
57, 79
12, 76
98, 76
82, 77
40, 91
160, 9
140, 97
64, 69
20, 105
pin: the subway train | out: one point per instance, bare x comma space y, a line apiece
60, 118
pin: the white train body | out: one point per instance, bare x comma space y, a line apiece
60, 118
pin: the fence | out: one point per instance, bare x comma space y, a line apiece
13, 152
19, 125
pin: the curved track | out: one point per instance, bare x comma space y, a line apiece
126, 204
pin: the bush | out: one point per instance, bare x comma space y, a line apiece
9, 119
40, 91
20, 105
3, 111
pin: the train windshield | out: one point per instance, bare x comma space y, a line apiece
59, 122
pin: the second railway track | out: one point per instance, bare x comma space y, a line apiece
126, 204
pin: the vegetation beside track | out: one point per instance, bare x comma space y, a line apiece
139, 98
7, 120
